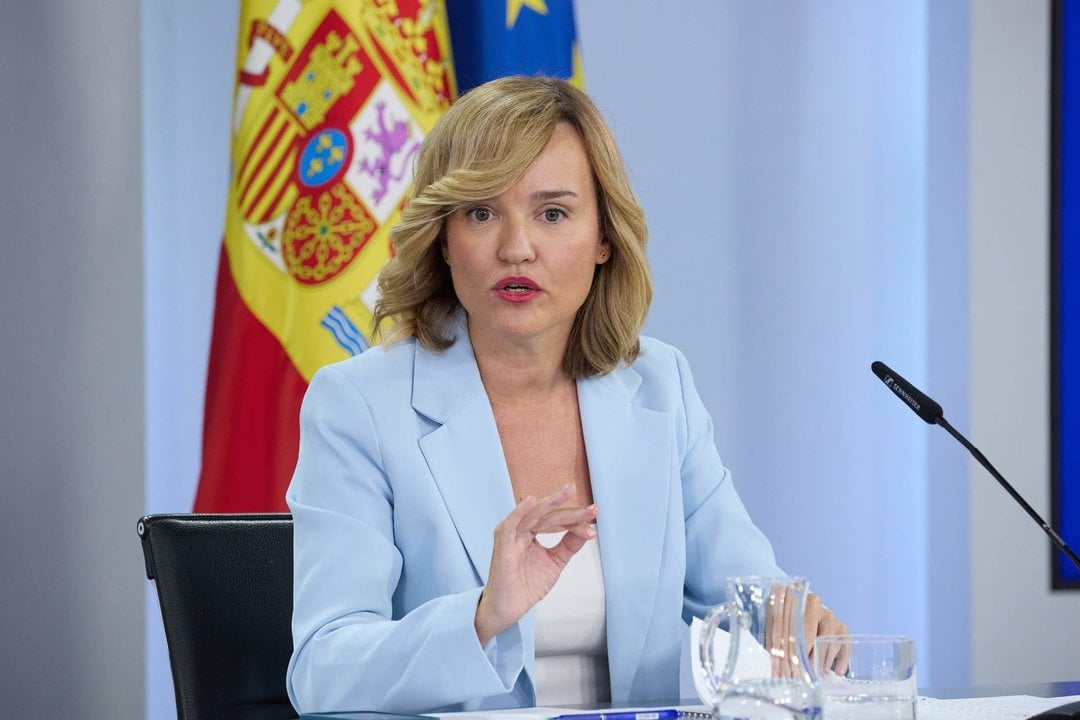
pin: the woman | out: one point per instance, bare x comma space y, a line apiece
513, 399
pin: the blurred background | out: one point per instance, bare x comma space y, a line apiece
827, 184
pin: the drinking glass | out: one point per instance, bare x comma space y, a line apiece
866, 677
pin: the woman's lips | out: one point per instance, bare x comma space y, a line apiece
516, 289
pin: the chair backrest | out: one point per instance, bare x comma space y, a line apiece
225, 587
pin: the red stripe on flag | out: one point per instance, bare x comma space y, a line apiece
268, 212
278, 177
256, 142
246, 78
262, 155
251, 432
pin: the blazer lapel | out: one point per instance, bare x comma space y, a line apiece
629, 452
463, 453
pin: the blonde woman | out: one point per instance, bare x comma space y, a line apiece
516, 500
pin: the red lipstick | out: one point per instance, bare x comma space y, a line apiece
516, 289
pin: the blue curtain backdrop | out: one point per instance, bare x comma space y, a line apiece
1066, 481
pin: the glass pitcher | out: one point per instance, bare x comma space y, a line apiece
765, 673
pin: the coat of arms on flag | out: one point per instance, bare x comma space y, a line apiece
332, 103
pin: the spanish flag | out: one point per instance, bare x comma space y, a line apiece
332, 101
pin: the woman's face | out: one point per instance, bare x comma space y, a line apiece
522, 263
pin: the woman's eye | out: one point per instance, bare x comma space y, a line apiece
480, 214
553, 215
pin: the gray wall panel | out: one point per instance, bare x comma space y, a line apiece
71, 360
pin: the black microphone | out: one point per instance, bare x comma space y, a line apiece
923, 406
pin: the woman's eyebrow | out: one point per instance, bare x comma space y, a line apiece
552, 194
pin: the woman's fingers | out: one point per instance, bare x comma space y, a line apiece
811, 620
787, 639
572, 541
811, 623
524, 515
543, 506
844, 658
565, 518
547, 515
774, 627
781, 621
839, 654
819, 621
511, 522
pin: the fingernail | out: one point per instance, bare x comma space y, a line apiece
591, 507
590, 531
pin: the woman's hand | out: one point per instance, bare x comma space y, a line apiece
522, 570
820, 620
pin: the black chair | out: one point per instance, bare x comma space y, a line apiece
225, 586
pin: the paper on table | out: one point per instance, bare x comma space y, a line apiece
527, 713
753, 659
544, 713
1010, 707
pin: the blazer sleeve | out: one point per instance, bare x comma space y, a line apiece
721, 539
349, 651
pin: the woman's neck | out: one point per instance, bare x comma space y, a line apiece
512, 372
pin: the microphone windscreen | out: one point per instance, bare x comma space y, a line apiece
920, 403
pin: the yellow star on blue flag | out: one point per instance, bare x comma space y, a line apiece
513, 9
490, 39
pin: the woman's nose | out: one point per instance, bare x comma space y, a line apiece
516, 246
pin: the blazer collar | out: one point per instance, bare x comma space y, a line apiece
444, 382
464, 452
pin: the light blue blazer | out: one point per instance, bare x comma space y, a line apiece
399, 484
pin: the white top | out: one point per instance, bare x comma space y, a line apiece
571, 635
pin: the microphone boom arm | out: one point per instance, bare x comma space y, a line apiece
977, 454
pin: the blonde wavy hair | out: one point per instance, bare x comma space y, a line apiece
482, 145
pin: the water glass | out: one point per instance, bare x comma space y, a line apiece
866, 677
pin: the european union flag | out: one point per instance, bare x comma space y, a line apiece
495, 38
